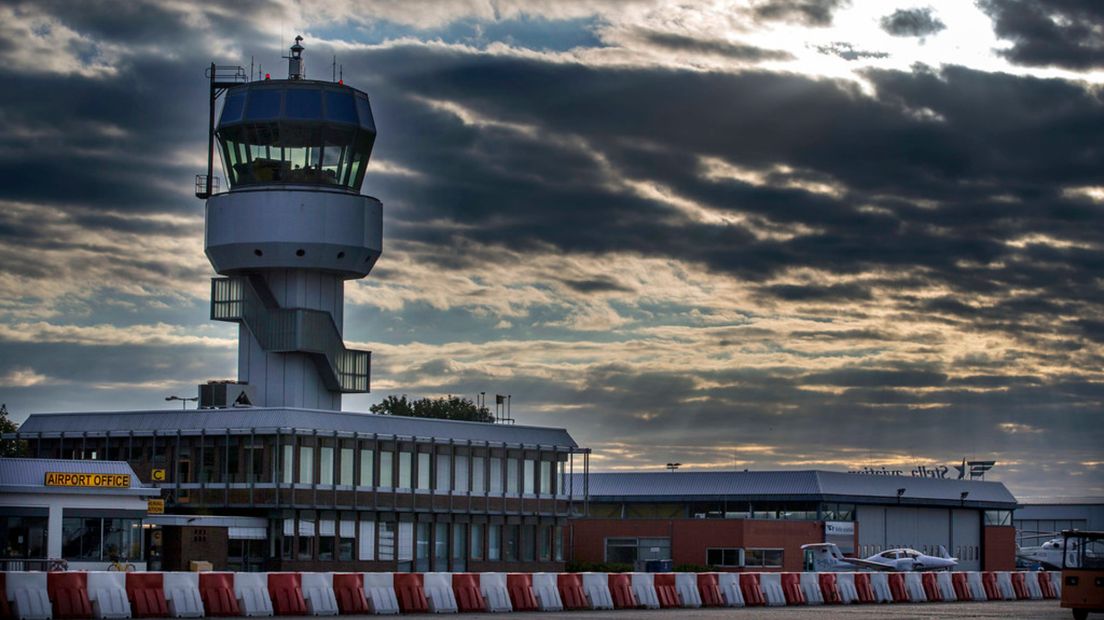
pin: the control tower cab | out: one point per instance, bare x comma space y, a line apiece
291, 229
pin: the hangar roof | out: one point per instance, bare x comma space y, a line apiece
263, 419
807, 485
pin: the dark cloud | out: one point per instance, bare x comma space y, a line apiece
1055, 33
848, 52
712, 47
919, 22
809, 12
596, 285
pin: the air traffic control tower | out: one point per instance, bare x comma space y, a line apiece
290, 231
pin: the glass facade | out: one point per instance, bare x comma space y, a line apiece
101, 538
296, 133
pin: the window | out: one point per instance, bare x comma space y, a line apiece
545, 543
405, 475
23, 537
287, 463
461, 485
367, 550
529, 477
340, 106
444, 474
479, 473
303, 103
767, 558
510, 543
95, 538
494, 543
386, 474
421, 548
386, 541
722, 557
306, 465
404, 548
459, 547
496, 475
557, 542
441, 546
998, 517
545, 478
423, 470
629, 550
477, 541
366, 467
306, 534
327, 535
511, 476
263, 104
325, 465
528, 536
346, 477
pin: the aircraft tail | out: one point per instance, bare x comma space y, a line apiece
943, 553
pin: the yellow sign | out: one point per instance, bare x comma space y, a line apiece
159, 475
156, 506
103, 481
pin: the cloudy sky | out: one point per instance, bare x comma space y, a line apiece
762, 234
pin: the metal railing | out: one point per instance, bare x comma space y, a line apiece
292, 330
33, 564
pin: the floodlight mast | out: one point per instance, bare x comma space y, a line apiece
290, 229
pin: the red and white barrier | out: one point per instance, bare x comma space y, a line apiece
879, 583
845, 585
319, 595
572, 593
380, 590
547, 592
643, 588
1004, 585
495, 593
182, 595
914, 585
620, 589
666, 590
349, 593
439, 594
596, 588
730, 589
810, 587
686, 586
107, 591
251, 590
771, 586
216, 590
28, 595
520, 588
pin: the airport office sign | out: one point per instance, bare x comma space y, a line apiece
99, 481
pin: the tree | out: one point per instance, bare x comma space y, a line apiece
9, 447
445, 408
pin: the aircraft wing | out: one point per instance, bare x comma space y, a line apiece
871, 564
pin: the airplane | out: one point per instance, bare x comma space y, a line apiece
828, 558
1048, 555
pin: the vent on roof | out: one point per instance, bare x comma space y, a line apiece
225, 394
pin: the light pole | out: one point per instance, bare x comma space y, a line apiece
673, 466
183, 401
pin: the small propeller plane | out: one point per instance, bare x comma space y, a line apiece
827, 558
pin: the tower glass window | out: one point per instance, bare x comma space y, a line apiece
296, 132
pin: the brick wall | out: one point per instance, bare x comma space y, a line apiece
998, 547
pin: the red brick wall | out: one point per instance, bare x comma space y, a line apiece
999, 547
691, 537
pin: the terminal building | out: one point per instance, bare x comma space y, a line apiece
758, 520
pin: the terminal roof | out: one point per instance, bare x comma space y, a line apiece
806, 485
268, 420
22, 475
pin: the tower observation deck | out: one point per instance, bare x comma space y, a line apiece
290, 231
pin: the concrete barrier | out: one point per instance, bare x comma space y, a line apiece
146, 593
863, 589
845, 585
1020, 586
69, 594
439, 594
410, 592
1004, 585
791, 589
810, 588
465, 587
709, 586
729, 584
216, 590
643, 589
1046, 588
749, 587
29, 597
597, 590
914, 585
931, 588
520, 588
495, 593
879, 583
547, 592
828, 589
771, 586
686, 586
946, 588
286, 590
620, 588
251, 590
1056, 582
379, 588
182, 595
572, 594
666, 590
318, 593
107, 592
349, 593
